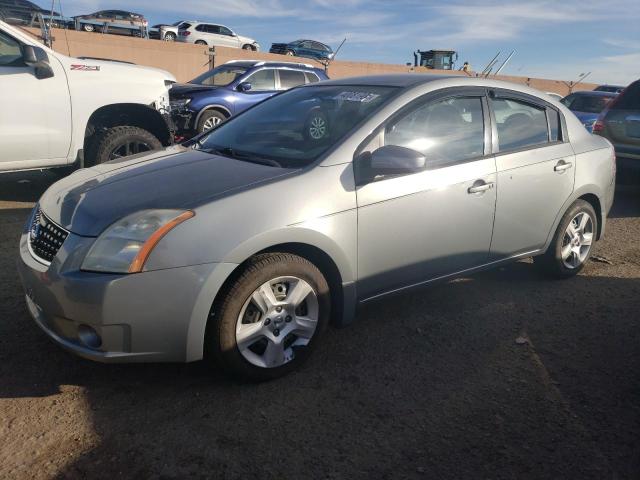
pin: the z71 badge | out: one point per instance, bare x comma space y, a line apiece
86, 68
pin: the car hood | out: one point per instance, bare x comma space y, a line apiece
248, 40
182, 90
91, 199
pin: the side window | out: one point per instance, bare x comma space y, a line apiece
519, 124
10, 53
311, 77
262, 80
212, 29
225, 31
554, 125
446, 131
290, 79
201, 28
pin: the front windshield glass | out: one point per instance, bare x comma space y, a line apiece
220, 76
295, 128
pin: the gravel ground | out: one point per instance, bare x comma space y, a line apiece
427, 384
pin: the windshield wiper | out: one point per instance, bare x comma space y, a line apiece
244, 156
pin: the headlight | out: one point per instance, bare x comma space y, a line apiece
125, 246
178, 104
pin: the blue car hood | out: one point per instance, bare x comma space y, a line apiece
185, 90
91, 199
585, 117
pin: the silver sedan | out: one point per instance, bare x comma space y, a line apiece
242, 246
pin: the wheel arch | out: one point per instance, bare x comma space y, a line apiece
214, 106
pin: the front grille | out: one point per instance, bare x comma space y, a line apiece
45, 237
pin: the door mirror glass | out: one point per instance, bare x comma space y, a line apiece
37, 58
244, 87
389, 161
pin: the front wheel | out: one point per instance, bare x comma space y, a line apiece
272, 317
572, 243
316, 127
169, 37
247, 47
200, 42
118, 142
87, 27
209, 120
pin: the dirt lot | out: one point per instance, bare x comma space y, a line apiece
429, 384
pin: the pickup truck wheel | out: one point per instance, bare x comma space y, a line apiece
270, 320
118, 142
210, 119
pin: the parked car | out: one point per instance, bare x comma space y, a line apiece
242, 246
214, 35
609, 88
168, 33
63, 110
620, 124
117, 21
20, 12
588, 105
216, 95
303, 48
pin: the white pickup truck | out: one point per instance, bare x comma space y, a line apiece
58, 111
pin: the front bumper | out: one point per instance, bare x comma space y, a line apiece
157, 316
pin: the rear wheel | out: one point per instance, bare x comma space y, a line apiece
316, 127
87, 27
272, 317
572, 243
119, 142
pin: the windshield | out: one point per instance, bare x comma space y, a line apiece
589, 104
295, 128
220, 76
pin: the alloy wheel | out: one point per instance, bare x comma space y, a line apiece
317, 128
129, 148
211, 122
577, 240
279, 317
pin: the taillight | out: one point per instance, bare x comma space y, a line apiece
598, 125
185, 33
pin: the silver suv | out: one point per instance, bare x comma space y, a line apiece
244, 245
214, 35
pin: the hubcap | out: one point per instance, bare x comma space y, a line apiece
129, 148
278, 318
317, 128
577, 240
211, 122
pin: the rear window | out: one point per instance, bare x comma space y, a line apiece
290, 79
629, 99
589, 103
311, 77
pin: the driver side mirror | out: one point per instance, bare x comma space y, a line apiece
37, 58
388, 161
244, 87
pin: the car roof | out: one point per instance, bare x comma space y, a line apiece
594, 93
260, 63
393, 80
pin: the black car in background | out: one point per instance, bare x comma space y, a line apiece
609, 88
304, 48
20, 12
620, 124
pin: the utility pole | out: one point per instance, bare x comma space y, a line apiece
572, 84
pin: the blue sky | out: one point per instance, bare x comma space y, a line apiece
560, 39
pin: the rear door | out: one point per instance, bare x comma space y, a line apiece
535, 166
290, 78
622, 122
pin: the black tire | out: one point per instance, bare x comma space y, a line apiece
316, 128
200, 42
87, 27
551, 262
290, 53
220, 343
169, 37
104, 145
247, 47
208, 115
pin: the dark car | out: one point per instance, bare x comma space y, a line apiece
588, 105
609, 88
226, 90
303, 48
20, 12
117, 21
620, 124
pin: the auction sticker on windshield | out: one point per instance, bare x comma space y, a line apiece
362, 97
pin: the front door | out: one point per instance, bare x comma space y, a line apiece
35, 116
263, 85
535, 174
436, 222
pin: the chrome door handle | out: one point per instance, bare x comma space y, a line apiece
561, 166
480, 188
